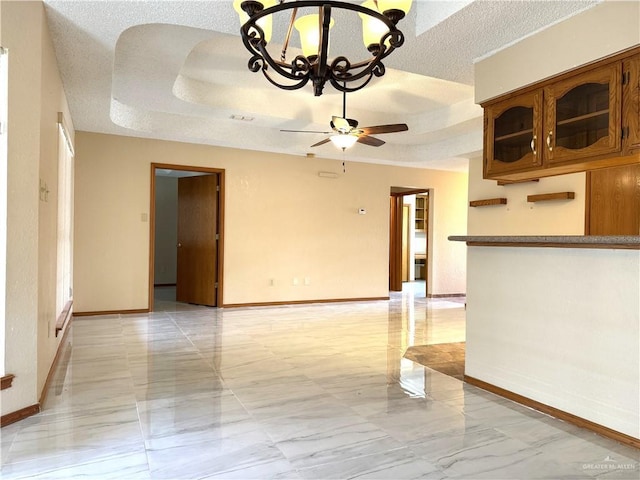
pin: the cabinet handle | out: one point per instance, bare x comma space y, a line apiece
533, 144
549, 137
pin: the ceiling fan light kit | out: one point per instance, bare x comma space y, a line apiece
380, 36
344, 140
346, 132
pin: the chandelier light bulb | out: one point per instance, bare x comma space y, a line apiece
402, 5
372, 28
265, 23
309, 28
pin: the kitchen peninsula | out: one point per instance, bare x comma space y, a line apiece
556, 320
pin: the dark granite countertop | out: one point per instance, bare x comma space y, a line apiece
566, 241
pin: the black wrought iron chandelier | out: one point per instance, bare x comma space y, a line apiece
380, 36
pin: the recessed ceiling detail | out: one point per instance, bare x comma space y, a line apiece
178, 71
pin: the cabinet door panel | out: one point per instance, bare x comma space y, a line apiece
583, 115
631, 105
614, 201
512, 134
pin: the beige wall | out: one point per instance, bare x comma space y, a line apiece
35, 97
282, 221
3, 202
53, 100
519, 217
603, 30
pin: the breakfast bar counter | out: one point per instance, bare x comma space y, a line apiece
556, 320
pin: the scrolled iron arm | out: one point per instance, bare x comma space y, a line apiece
340, 73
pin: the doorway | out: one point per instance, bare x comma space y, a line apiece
408, 236
186, 239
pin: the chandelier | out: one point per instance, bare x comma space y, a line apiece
379, 32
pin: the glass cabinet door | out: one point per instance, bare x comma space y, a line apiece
512, 134
582, 116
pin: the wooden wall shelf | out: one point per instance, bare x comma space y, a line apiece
64, 317
551, 196
6, 381
487, 202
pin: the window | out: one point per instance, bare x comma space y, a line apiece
64, 287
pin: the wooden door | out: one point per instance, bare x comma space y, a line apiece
614, 201
395, 243
197, 244
405, 243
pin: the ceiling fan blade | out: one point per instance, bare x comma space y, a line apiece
321, 142
392, 128
371, 141
306, 131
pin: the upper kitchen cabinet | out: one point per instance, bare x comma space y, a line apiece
581, 120
512, 132
583, 115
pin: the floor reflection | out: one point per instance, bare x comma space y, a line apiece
304, 392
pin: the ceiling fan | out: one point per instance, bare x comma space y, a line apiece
345, 131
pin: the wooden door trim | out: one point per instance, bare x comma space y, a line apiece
152, 223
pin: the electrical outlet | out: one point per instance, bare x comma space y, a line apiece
271, 282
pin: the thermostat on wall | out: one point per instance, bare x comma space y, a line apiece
362, 211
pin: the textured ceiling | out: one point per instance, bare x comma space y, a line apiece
177, 70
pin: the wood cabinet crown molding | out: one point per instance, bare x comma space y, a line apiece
616, 57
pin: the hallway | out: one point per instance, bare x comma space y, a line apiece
302, 392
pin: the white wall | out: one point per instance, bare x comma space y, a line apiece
166, 232
282, 221
556, 326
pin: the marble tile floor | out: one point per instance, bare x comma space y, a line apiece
298, 392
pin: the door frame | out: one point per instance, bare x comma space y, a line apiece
396, 201
220, 227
